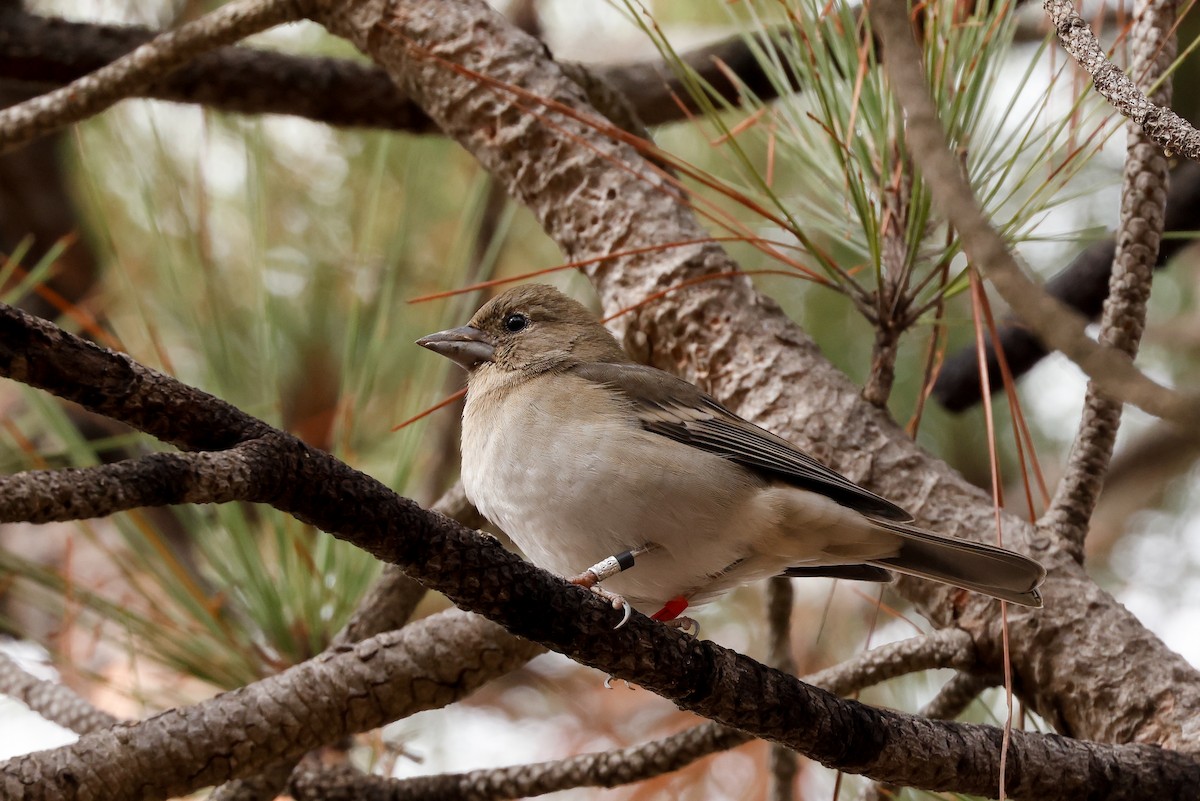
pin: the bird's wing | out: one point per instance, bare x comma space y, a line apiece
848, 572
674, 408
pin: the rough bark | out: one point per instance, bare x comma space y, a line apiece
186, 748
600, 197
1083, 662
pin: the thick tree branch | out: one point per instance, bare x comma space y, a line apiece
1084, 662
49, 52
944, 649
40, 354
950, 702
477, 574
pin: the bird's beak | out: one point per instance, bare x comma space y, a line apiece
467, 346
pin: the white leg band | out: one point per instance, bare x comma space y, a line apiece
606, 568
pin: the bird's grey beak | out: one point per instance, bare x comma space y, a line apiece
467, 346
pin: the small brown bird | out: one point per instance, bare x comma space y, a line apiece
586, 458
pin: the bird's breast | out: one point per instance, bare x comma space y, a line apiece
564, 468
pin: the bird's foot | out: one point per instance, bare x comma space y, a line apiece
607, 568
590, 580
688, 625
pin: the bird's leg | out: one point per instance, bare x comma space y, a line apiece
607, 568
669, 615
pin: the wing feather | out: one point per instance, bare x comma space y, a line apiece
673, 408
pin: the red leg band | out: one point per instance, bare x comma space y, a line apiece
673, 609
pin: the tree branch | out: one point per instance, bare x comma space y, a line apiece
49, 52
957, 694
950, 702
1082, 285
1143, 204
46, 51
1059, 327
1084, 662
636, 763
387, 606
184, 749
158, 479
605, 769
53, 701
98, 90
1161, 125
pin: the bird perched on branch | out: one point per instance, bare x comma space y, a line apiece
585, 458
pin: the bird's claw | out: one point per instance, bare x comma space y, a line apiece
688, 625
608, 683
592, 582
628, 613
617, 602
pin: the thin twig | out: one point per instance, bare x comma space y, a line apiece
1160, 124
1143, 206
1059, 326
53, 701
605, 769
957, 694
129, 74
781, 759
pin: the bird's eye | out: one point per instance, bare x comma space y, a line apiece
516, 322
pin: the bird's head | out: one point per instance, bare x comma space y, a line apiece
532, 328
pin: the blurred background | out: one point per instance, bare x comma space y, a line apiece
274, 261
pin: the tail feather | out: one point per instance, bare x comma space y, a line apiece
848, 572
973, 566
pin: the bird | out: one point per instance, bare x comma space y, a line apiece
601, 469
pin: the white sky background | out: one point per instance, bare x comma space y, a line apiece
1148, 567
21, 730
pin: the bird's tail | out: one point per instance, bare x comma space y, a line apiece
983, 568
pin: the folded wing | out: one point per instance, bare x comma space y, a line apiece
676, 409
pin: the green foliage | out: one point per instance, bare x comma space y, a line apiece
843, 132
826, 168
270, 263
